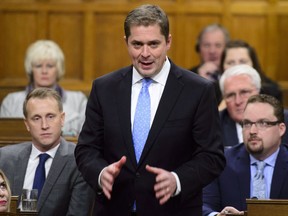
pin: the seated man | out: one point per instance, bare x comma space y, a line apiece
237, 84
64, 191
263, 125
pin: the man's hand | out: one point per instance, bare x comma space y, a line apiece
231, 210
109, 175
165, 185
208, 70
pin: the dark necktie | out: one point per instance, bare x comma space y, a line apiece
259, 186
40, 177
141, 124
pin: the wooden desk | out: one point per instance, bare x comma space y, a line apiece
269, 207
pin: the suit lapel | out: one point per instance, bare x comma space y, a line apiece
55, 171
243, 165
124, 111
169, 97
21, 166
279, 174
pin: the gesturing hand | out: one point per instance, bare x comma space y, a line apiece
109, 175
165, 185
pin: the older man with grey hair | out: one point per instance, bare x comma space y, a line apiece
237, 84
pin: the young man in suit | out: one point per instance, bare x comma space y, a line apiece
263, 126
182, 151
64, 192
237, 84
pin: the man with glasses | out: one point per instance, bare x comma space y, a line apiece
263, 126
237, 84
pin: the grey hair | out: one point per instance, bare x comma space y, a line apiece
241, 69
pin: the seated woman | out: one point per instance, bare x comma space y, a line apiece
5, 193
240, 52
44, 66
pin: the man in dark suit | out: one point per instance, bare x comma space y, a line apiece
237, 84
263, 126
183, 151
64, 192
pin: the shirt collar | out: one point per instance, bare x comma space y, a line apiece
161, 77
35, 152
271, 160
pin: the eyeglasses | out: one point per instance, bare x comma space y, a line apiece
261, 124
244, 93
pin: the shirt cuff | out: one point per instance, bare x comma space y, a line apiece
178, 185
99, 178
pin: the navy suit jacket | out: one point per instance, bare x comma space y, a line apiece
232, 187
229, 132
185, 137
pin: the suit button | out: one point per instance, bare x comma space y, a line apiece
138, 175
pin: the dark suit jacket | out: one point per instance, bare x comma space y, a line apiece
64, 192
229, 132
233, 185
185, 138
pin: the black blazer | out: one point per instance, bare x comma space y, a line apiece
185, 138
229, 132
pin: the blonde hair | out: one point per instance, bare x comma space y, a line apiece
6, 181
44, 49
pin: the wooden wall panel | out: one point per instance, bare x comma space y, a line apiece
90, 32
17, 30
66, 29
109, 43
282, 35
253, 30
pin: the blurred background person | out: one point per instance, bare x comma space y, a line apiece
210, 45
240, 52
263, 126
5, 193
45, 66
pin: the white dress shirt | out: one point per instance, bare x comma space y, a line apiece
33, 163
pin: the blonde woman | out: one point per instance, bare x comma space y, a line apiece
5, 193
45, 67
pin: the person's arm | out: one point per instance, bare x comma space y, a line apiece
212, 199
82, 198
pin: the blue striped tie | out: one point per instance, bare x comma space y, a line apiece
259, 186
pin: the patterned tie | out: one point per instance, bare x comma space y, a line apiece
40, 177
259, 187
141, 125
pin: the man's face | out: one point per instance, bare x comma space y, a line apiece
212, 46
147, 48
262, 142
237, 90
44, 122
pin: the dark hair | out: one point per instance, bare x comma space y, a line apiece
268, 99
251, 52
147, 15
42, 93
209, 28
